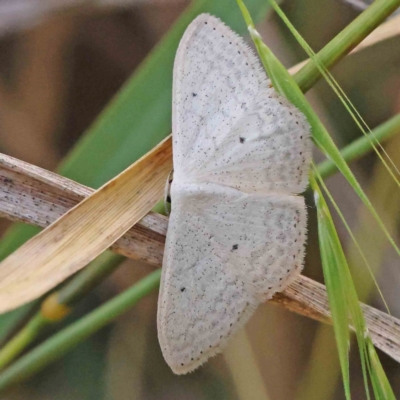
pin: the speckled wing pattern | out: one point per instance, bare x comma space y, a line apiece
237, 227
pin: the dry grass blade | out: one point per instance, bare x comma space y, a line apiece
309, 298
388, 30
35, 196
31, 194
85, 231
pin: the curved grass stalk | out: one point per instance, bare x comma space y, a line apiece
58, 305
356, 116
323, 371
350, 232
342, 295
360, 146
344, 304
385, 31
286, 85
61, 342
346, 40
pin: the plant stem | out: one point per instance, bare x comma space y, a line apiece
362, 146
69, 294
61, 342
20, 341
346, 41
90, 277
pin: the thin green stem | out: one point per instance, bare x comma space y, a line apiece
346, 41
20, 341
343, 299
61, 342
320, 135
67, 296
88, 278
362, 146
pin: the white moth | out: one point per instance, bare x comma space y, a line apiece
237, 227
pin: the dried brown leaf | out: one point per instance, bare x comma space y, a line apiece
85, 231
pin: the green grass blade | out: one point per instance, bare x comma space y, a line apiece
351, 109
339, 287
380, 383
346, 40
360, 146
337, 273
341, 291
322, 184
285, 84
334, 286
